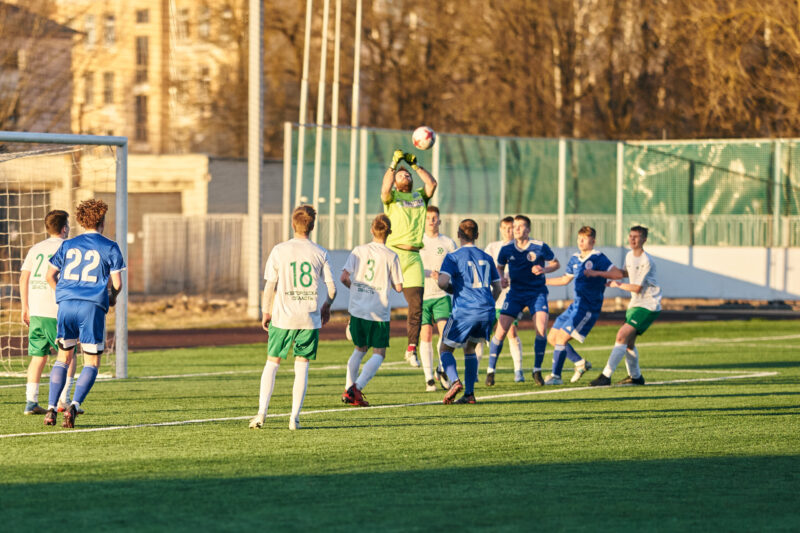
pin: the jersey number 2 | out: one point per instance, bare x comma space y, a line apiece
75, 259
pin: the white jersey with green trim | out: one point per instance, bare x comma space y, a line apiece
432, 254
642, 271
301, 269
41, 298
374, 269
493, 249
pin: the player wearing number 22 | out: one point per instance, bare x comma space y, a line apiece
80, 272
470, 276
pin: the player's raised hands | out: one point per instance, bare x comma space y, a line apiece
396, 158
410, 158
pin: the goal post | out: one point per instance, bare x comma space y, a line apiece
86, 175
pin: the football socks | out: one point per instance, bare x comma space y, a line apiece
617, 353
84, 383
559, 355
632, 362
300, 386
32, 392
426, 358
65, 393
267, 385
368, 372
572, 355
539, 346
352, 367
58, 376
470, 372
449, 365
515, 345
495, 347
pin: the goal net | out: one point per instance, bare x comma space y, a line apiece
37, 176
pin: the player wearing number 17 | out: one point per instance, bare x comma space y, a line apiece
79, 273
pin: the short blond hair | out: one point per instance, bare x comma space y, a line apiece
303, 218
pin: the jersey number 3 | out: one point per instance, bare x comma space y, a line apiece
75, 258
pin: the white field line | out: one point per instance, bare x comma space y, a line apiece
391, 406
690, 342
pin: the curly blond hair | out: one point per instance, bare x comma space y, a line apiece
91, 213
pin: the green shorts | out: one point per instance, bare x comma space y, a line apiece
640, 318
411, 264
497, 317
436, 309
369, 333
304, 341
42, 336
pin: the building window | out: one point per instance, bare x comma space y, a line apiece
204, 22
88, 88
90, 30
183, 24
108, 87
141, 118
142, 59
142, 16
109, 30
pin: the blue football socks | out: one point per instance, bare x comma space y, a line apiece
539, 346
84, 384
572, 355
470, 372
58, 376
559, 355
495, 347
449, 364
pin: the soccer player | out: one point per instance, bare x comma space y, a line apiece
436, 304
528, 261
40, 311
79, 273
296, 273
371, 269
643, 309
406, 208
579, 318
470, 275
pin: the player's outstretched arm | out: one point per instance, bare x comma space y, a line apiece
24, 278
444, 282
388, 177
630, 287
559, 281
428, 179
552, 266
611, 273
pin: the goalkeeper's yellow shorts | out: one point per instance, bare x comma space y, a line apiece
411, 263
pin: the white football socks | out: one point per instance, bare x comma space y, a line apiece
479, 351
32, 392
300, 386
426, 357
632, 362
65, 393
352, 368
515, 345
368, 372
617, 353
267, 385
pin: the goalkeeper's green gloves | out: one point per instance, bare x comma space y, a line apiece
411, 159
396, 158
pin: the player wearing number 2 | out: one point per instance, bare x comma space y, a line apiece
296, 274
79, 273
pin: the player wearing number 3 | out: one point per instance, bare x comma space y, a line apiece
79, 273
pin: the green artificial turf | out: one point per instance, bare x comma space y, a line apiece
676, 456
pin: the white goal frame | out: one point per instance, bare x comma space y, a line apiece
121, 210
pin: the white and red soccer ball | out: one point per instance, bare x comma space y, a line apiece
423, 138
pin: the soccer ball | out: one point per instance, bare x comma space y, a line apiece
423, 138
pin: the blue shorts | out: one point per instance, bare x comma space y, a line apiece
516, 302
460, 330
577, 320
82, 321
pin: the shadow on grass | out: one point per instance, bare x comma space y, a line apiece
732, 493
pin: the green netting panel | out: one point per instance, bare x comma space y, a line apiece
532, 176
591, 178
469, 174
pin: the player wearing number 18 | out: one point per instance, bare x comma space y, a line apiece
79, 273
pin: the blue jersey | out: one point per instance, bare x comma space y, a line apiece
85, 264
472, 273
589, 291
520, 262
